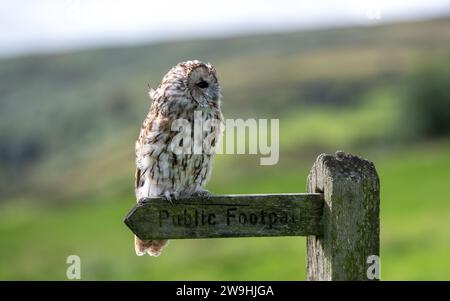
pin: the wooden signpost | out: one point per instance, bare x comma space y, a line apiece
339, 216
228, 216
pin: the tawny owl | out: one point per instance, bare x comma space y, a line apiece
187, 91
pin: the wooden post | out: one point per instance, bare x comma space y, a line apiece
351, 191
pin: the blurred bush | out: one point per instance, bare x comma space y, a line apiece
428, 101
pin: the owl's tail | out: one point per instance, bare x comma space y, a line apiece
151, 247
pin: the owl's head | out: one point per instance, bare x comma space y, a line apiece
194, 81
199, 81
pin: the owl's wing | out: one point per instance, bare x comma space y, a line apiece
138, 150
137, 175
139, 172
153, 139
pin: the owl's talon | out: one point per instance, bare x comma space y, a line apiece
169, 195
202, 194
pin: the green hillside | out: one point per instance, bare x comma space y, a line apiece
71, 105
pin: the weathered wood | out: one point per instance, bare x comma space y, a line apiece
339, 214
228, 216
351, 190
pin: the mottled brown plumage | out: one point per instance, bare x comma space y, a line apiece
165, 164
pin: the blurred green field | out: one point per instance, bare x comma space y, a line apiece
67, 149
414, 235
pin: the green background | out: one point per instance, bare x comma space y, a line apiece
68, 123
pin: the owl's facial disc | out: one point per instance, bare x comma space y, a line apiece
203, 86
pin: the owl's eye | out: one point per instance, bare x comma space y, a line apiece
202, 84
